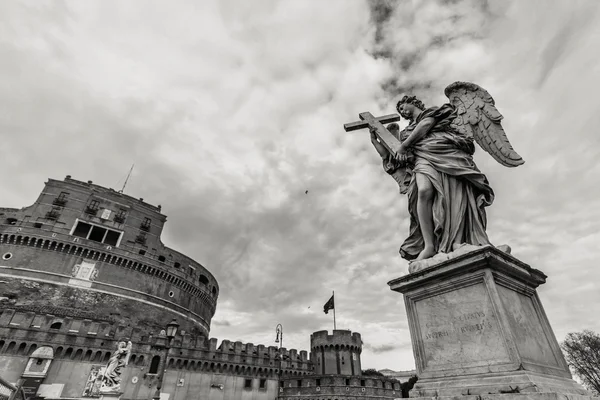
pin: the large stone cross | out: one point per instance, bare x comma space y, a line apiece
369, 121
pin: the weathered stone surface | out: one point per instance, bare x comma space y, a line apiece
478, 327
416, 266
111, 396
513, 396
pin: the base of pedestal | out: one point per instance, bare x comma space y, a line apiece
111, 396
478, 328
517, 382
514, 396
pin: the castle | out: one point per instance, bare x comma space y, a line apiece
84, 267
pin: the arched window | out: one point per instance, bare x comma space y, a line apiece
203, 279
154, 365
161, 258
214, 291
68, 353
21, 349
11, 346
56, 325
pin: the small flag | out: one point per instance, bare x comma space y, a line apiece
329, 305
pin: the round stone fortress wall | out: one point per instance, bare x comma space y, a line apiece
123, 289
339, 387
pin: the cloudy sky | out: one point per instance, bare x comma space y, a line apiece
233, 110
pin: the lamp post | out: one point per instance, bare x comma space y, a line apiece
171, 332
279, 339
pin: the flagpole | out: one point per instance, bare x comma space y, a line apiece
333, 310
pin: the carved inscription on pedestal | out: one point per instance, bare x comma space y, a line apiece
459, 328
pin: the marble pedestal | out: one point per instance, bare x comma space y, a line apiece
478, 329
110, 395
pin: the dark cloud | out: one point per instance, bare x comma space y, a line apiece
381, 12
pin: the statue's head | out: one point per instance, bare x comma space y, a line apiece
408, 105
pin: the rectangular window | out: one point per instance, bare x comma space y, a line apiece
146, 224
82, 229
97, 234
92, 207
263, 384
318, 382
299, 382
120, 216
54, 213
17, 318
93, 328
347, 382
37, 322
248, 384
141, 238
281, 384
362, 382
75, 326
61, 199
112, 237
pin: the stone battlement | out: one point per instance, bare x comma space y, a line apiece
92, 341
337, 338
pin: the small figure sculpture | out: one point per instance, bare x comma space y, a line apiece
432, 162
111, 378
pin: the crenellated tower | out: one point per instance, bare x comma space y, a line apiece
336, 354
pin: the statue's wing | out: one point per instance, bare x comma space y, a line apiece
479, 118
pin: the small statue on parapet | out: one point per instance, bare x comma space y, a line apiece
432, 162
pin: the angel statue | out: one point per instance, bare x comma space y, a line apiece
111, 378
432, 162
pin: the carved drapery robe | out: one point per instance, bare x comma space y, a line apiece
461, 191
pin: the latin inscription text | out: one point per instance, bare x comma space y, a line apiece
475, 323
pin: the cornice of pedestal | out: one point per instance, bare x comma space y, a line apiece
464, 260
